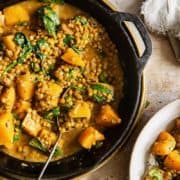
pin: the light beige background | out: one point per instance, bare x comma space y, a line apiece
162, 80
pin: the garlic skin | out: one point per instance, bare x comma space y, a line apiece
162, 16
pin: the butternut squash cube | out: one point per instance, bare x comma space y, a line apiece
89, 137
54, 90
8, 98
107, 117
9, 42
25, 86
71, 57
164, 144
47, 136
6, 129
14, 14
80, 110
31, 125
172, 160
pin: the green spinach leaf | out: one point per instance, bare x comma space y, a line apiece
55, 112
49, 19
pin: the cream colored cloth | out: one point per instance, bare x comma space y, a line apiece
162, 16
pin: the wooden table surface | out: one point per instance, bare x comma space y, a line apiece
162, 83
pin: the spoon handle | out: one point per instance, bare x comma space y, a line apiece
49, 158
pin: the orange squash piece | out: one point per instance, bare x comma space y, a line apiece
89, 137
164, 144
14, 14
172, 160
6, 129
71, 57
107, 117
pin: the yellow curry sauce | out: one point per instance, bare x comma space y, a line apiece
56, 64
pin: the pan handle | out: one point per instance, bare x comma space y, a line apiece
137, 36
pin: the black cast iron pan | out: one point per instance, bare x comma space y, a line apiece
132, 62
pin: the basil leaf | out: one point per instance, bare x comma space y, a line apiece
49, 19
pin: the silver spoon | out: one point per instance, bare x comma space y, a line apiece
50, 155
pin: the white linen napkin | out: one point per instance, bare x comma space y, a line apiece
162, 16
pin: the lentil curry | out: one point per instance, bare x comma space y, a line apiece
57, 66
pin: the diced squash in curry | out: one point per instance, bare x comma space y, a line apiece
15, 14
30, 125
47, 138
89, 137
25, 86
6, 129
8, 41
107, 117
71, 57
80, 110
8, 98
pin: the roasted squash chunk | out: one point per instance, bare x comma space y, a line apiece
47, 138
107, 117
9, 42
25, 86
172, 160
7, 99
31, 124
80, 110
14, 14
164, 144
71, 57
6, 129
89, 137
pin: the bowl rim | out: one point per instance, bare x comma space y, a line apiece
173, 105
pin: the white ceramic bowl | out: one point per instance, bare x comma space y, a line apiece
162, 120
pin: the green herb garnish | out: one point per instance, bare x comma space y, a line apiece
102, 87
49, 19
81, 19
77, 50
68, 40
55, 112
35, 143
58, 152
103, 77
